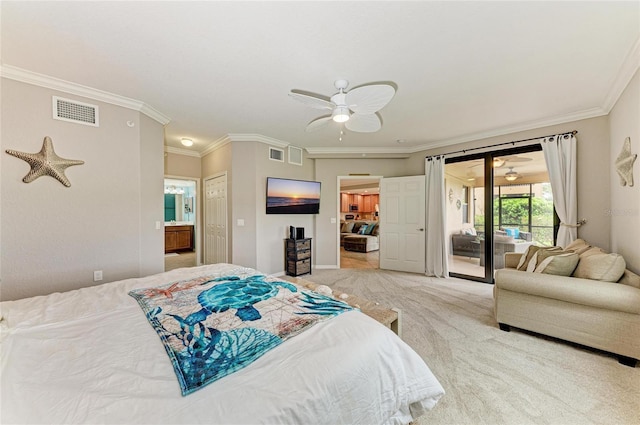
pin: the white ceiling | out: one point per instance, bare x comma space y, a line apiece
464, 70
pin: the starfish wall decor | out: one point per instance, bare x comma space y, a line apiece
624, 163
45, 163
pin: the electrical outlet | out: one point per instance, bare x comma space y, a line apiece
97, 275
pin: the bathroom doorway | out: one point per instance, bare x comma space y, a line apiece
181, 222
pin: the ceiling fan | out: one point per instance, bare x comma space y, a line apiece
357, 108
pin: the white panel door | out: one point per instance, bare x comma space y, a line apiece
215, 223
402, 221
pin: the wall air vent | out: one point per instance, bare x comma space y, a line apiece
295, 155
276, 154
74, 111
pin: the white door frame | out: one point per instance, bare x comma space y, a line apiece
197, 229
338, 212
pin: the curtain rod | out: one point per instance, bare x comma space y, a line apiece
574, 132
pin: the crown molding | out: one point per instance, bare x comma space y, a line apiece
258, 138
179, 151
215, 145
34, 78
630, 66
531, 125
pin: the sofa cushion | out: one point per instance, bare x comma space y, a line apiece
347, 227
604, 267
630, 278
541, 255
558, 263
591, 292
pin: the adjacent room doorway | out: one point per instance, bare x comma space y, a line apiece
181, 222
358, 203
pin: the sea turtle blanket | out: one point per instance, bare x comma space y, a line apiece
213, 326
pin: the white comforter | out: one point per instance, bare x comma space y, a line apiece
90, 356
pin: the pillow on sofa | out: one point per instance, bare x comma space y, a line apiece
578, 246
369, 229
347, 227
594, 250
541, 255
630, 278
526, 257
558, 263
604, 267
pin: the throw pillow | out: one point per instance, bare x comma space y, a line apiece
604, 267
594, 250
526, 257
630, 278
540, 255
558, 263
370, 228
347, 228
578, 246
362, 229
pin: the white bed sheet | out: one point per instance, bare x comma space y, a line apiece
90, 356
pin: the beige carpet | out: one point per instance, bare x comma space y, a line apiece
491, 376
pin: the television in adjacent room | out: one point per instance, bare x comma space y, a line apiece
287, 196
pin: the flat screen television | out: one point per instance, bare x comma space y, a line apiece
287, 196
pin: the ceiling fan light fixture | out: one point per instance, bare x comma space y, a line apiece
511, 175
340, 114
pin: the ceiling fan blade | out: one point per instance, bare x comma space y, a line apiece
312, 100
515, 158
369, 99
318, 123
364, 123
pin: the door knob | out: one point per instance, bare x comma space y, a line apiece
421, 229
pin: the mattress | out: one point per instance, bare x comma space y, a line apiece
90, 356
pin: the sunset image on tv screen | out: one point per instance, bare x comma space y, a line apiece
285, 196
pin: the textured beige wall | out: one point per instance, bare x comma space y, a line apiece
593, 170
182, 165
54, 237
624, 212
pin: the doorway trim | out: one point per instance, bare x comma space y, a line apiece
339, 213
198, 201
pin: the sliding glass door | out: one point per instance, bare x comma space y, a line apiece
497, 202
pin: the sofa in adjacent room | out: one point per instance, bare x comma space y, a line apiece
581, 294
360, 236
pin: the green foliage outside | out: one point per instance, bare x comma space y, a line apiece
515, 213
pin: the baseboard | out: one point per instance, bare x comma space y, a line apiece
327, 266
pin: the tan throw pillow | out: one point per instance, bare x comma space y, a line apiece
578, 246
630, 278
540, 255
594, 250
526, 257
604, 267
347, 227
558, 263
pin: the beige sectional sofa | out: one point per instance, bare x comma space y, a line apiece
352, 239
601, 314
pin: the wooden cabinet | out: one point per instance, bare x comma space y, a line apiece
177, 238
365, 203
297, 258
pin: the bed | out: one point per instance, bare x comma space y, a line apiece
91, 356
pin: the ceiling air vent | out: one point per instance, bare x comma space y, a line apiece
276, 154
74, 111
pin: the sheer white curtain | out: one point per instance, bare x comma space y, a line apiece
560, 156
436, 261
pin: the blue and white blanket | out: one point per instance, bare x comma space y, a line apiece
213, 326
